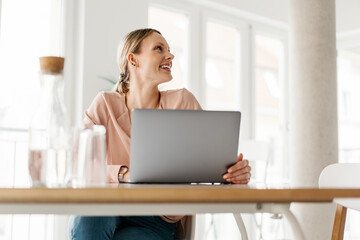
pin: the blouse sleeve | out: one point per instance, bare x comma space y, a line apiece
97, 113
189, 101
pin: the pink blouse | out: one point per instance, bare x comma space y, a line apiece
109, 109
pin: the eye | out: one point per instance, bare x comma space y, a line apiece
158, 48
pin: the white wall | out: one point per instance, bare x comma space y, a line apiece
105, 24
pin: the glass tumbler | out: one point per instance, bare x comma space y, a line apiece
88, 163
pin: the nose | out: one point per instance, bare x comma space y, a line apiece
170, 56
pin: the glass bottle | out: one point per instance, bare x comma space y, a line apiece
49, 132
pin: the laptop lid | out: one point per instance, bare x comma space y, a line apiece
182, 146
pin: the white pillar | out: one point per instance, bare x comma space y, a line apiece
313, 106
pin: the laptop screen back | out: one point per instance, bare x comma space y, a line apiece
182, 146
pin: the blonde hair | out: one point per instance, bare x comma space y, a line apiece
130, 44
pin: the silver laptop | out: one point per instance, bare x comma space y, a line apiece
182, 146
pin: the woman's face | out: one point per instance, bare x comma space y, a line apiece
154, 60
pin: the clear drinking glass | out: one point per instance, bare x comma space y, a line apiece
88, 163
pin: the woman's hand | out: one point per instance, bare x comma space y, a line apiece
239, 172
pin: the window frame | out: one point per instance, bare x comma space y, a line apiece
220, 18
284, 110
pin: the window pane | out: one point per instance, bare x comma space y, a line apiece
269, 70
175, 30
222, 52
269, 60
27, 32
29, 29
348, 100
348, 64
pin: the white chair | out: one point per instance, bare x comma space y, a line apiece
341, 175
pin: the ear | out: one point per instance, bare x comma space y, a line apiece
131, 59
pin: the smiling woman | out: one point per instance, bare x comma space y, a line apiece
145, 62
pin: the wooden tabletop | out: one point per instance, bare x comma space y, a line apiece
127, 193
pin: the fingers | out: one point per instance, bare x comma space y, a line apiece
242, 171
239, 165
243, 178
239, 173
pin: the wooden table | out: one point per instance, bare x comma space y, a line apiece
128, 199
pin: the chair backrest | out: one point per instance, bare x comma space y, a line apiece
342, 175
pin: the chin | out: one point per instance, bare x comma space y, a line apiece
162, 79
166, 80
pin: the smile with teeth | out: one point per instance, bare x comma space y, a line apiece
167, 66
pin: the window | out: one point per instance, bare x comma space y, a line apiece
348, 100
348, 63
27, 32
222, 66
175, 31
269, 72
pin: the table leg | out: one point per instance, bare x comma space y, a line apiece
241, 226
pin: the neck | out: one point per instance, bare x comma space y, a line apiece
142, 97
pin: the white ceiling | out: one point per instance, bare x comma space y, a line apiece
347, 11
